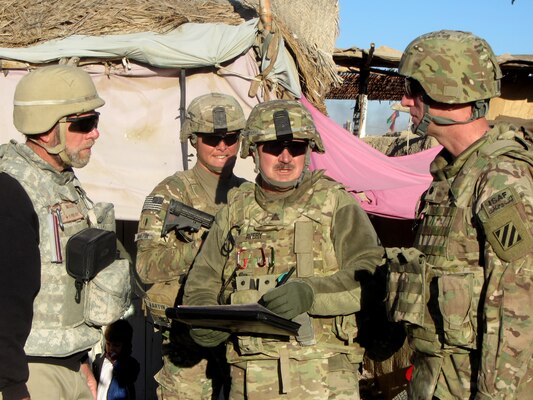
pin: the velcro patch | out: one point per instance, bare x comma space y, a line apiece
153, 203
499, 200
507, 235
504, 221
145, 236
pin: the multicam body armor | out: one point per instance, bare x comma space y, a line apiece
164, 263
260, 236
58, 326
476, 232
269, 243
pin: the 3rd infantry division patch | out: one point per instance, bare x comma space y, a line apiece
507, 235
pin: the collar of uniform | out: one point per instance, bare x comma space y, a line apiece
61, 178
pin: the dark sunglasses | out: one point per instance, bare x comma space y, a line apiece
413, 88
84, 123
275, 147
213, 140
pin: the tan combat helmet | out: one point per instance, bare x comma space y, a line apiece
47, 96
214, 113
453, 67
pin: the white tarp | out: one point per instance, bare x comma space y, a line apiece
139, 127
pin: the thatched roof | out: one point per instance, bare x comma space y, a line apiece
384, 83
28, 22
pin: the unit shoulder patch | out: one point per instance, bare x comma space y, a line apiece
504, 221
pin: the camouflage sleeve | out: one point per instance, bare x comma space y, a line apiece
358, 254
204, 281
161, 259
505, 210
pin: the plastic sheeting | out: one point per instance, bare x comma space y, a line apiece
391, 186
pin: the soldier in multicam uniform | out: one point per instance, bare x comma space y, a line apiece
290, 218
213, 125
54, 108
465, 291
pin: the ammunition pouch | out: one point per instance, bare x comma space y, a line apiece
406, 285
108, 294
456, 294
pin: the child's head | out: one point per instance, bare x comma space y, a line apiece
118, 338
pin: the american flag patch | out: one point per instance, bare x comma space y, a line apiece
153, 203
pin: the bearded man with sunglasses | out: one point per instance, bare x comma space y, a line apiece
296, 224
465, 291
54, 108
213, 125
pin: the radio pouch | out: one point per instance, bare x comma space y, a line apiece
87, 253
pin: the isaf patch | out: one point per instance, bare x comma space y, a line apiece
153, 203
499, 200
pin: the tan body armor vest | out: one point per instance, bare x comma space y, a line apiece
266, 245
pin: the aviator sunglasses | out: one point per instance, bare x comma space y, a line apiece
213, 140
275, 147
84, 123
412, 88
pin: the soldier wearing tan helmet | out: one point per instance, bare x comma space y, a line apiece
213, 125
464, 291
54, 107
290, 224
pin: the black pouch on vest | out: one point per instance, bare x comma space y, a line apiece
87, 253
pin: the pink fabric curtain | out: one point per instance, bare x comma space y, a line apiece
387, 186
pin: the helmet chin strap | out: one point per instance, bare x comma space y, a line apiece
479, 110
58, 149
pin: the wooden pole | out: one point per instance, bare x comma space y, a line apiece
265, 14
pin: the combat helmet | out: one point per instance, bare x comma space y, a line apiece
214, 113
452, 67
47, 96
279, 120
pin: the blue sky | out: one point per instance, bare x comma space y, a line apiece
507, 27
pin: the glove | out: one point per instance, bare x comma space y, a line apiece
208, 337
289, 300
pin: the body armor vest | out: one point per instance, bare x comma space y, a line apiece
451, 237
268, 241
58, 327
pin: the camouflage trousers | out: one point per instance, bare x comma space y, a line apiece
188, 373
449, 377
305, 380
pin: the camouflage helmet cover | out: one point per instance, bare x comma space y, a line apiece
47, 94
212, 113
453, 67
262, 126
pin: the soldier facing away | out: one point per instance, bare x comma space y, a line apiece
467, 284
289, 218
213, 125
